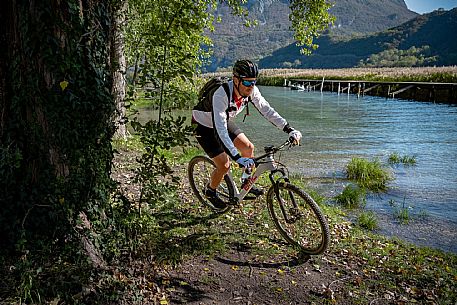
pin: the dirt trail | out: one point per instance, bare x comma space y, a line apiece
233, 278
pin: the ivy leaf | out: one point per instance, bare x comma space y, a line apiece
63, 85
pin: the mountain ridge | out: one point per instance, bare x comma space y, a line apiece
353, 17
429, 30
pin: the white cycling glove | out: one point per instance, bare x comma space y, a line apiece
295, 136
245, 162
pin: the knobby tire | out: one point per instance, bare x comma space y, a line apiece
307, 228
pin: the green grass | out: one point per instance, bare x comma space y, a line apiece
395, 158
352, 197
368, 174
409, 160
402, 213
133, 142
300, 181
368, 220
187, 154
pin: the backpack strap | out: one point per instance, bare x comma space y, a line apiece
247, 108
229, 98
227, 90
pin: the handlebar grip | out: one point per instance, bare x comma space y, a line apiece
292, 141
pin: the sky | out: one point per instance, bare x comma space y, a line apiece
427, 6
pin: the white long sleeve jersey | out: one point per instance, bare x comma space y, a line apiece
224, 109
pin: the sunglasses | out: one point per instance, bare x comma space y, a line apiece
248, 83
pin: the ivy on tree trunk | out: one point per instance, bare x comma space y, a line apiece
57, 115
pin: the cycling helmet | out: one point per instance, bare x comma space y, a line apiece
245, 69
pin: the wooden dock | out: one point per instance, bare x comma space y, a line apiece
419, 91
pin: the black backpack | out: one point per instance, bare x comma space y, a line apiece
205, 96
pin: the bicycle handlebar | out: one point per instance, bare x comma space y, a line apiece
270, 150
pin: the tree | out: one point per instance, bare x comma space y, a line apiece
57, 118
164, 40
169, 37
309, 18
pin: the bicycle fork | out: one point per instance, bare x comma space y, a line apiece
293, 211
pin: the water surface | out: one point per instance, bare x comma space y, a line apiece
337, 128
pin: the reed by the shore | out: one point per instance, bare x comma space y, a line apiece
447, 74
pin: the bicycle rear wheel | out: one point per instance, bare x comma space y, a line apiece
298, 218
199, 173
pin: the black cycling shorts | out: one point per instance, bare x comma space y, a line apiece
208, 140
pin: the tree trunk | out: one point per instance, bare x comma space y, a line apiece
56, 116
119, 65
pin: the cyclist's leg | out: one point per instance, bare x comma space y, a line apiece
220, 158
222, 163
212, 147
245, 147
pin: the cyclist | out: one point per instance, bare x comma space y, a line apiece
221, 138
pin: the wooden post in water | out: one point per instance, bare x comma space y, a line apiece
322, 84
349, 88
339, 86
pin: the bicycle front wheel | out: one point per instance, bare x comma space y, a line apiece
199, 173
298, 218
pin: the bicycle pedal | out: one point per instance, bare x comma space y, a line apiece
250, 197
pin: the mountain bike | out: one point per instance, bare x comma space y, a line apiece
295, 214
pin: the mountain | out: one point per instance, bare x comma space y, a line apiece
233, 40
430, 36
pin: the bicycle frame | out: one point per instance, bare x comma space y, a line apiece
261, 167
